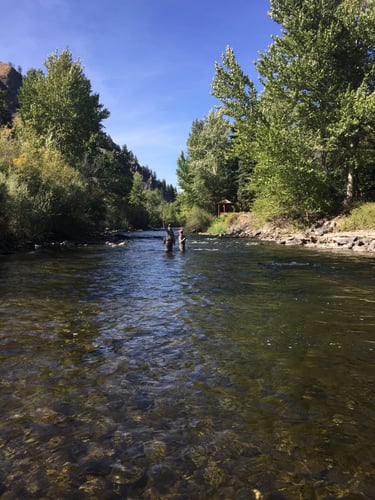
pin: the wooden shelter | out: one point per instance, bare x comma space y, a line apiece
224, 206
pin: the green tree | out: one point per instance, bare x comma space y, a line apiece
239, 102
321, 66
137, 196
238, 98
205, 173
112, 180
43, 196
154, 205
61, 107
137, 201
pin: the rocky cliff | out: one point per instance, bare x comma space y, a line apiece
10, 82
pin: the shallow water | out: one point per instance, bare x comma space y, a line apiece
236, 370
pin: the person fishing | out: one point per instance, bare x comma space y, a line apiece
181, 240
169, 239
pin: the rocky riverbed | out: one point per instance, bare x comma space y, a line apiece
324, 234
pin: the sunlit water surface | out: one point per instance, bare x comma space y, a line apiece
237, 370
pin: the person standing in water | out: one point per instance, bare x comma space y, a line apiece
169, 239
181, 240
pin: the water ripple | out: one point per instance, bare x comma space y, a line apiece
235, 370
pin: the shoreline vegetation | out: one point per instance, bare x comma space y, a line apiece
324, 234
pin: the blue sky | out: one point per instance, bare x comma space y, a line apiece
150, 61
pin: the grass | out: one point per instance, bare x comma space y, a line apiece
361, 217
220, 224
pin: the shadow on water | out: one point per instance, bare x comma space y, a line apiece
234, 370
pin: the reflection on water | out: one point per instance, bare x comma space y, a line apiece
235, 370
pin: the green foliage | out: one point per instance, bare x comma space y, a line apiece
314, 75
137, 197
43, 195
205, 173
60, 107
138, 216
238, 98
4, 208
154, 205
305, 146
198, 220
174, 212
287, 178
361, 217
219, 225
142, 211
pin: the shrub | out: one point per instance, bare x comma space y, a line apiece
361, 217
220, 224
198, 220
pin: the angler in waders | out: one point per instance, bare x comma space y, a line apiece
169, 239
181, 240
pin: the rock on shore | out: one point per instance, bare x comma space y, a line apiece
324, 234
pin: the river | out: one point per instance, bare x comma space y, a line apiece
235, 370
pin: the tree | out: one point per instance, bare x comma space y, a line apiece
43, 196
322, 65
206, 174
61, 108
238, 98
154, 205
137, 201
239, 101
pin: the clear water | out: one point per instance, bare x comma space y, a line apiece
236, 370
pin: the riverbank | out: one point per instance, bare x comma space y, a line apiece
110, 238
325, 234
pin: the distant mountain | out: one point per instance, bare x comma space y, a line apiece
10, 83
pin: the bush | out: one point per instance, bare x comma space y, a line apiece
198, 220
220, 224
44, 196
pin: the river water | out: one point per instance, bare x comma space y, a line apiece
236, 370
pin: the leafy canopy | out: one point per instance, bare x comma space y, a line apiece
60, 106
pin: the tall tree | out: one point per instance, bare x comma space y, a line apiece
238, 101
321, 66
205, 173
238, 98
137, 200
60, 106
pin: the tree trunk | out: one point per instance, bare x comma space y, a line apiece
350, 185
